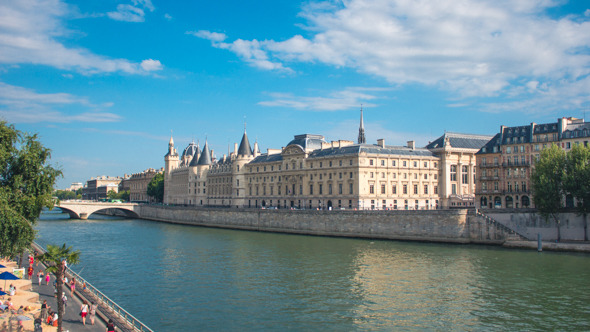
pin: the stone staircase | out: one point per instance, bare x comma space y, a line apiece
511, 234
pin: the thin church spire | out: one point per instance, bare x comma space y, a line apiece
361, 138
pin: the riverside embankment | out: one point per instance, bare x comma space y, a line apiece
452, 226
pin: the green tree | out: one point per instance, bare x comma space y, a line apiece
577, 180
55, 258
124, 195
26, 186
547, 181
112, 194
155, 188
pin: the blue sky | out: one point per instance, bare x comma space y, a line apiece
104, 82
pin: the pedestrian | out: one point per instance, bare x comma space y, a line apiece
44, 310
84, 312
30, 272
64, 298
40, 276
111, 326
47, 277
11, 290
73, 286
93, 308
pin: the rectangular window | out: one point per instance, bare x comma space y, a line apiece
382, 162
351, 175
426, 189
340, 188
383, 189
393, 163
415, 164
436, 190
425, 164
405, 189
321, 189
371, 162
394, 189
415, 189
454, 189
404, 163
329, 189
453, 172
371, 189
311, 189
371, 175
350, 188
465, 174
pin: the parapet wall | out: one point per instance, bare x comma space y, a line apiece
454, 226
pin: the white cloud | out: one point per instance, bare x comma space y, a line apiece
212, 36
30, 31
168, 17
21, 105
127, 13
336, 101
151, 65
474, 48
132, 13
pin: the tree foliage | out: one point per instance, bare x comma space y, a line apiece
26, 185
155, 188
122, 195
577, 177
54, 258
547, 181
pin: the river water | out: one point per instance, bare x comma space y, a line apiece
185, 278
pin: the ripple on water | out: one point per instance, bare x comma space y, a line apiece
185, 278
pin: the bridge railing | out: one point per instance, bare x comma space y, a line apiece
113, 307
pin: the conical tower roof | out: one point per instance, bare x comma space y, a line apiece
196, 156
244, 148
205, 158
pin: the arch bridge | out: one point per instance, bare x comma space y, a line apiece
81, 210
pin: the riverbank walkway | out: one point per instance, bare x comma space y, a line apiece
551, 246
30, 294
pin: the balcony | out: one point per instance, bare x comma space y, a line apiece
518, 163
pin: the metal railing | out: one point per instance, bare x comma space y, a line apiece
113, 307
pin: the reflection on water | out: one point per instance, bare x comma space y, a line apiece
176, 277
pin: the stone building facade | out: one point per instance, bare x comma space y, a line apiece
311, 173
506, 161
98, 188
138, 184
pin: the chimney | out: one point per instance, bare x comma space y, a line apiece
381, 142
236, 149
412, 145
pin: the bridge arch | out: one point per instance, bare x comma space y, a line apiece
82, 210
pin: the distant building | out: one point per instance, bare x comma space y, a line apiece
75, 186
314, 174
98, 188
505, 162
138, 184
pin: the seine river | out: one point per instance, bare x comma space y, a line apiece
184, 278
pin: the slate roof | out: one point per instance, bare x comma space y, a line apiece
308, 141
205, 158
577, 130
545, 128
244, 148
489, 146
195, 157
514, 135
352, 150
461, 141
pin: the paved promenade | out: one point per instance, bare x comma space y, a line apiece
551, 246
71, 320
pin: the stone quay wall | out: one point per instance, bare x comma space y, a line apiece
572, 227
451, 226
